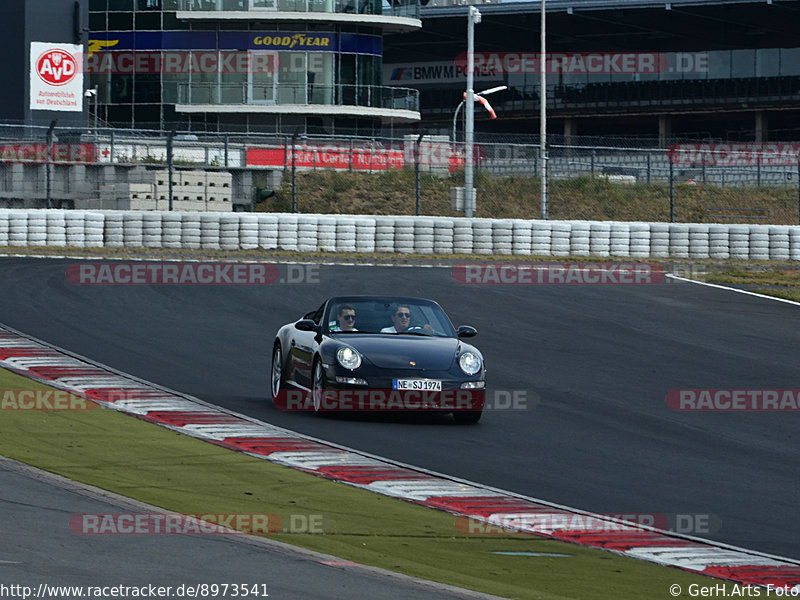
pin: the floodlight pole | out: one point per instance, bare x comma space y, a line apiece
473, 17
543, 113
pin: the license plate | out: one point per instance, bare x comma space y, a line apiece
433, 385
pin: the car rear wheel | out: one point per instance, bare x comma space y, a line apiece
467, 417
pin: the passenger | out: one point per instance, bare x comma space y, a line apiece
345, 319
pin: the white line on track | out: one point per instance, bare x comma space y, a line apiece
732, 289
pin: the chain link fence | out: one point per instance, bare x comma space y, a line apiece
606, 180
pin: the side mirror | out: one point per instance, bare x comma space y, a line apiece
465, 331
307, 325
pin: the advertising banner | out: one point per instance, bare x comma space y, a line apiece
56, 77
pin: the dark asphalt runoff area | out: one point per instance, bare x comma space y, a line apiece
591, 367
40, 548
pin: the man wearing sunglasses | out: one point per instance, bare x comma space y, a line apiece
346, 318
401, 317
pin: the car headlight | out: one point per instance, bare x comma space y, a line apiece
348, 358
470, 363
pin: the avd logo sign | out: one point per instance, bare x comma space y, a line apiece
56, 67
56, 77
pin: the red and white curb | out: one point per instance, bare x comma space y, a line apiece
58, 368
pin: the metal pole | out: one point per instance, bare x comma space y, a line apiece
96, 108
294, 176
671, 193
543, 112
758, 169
416, 170
474, 16
170, 140
49, 163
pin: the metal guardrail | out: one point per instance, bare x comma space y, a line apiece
404, 8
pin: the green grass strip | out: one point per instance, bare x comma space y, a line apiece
780, 282
152, 464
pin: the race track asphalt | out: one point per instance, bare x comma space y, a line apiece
592, 365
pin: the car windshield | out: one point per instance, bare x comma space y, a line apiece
388, 316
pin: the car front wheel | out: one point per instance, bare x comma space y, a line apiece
276, 376
318, 387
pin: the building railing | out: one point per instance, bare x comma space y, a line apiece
374, 96
396, 8
627, 94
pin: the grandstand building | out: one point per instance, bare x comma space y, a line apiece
699, 69
655, 71
248, 65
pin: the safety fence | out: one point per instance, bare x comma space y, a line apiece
394, 234
413, 174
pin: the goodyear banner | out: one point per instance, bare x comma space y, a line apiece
234, 40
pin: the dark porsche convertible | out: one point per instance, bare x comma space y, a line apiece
376, 353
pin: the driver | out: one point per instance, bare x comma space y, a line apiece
401, 317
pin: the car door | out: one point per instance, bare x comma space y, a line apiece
302, 348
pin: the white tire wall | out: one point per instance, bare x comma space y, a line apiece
56, 227
4, 217
94, 231
18, 228
580, 239
191, 231
171, 230
541, 238
559, 238
75, 223
37, 228
132, 229
396, 234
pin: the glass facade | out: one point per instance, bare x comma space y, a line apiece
705, 77
155, 69
676, 66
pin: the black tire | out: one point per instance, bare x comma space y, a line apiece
317, 387
276, 378
467, 417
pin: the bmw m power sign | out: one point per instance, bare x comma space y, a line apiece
56, 77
